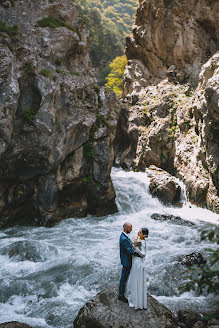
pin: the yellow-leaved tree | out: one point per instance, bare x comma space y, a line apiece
114, 78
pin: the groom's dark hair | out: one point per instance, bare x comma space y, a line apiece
145, 231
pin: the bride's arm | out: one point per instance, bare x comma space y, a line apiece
137, 250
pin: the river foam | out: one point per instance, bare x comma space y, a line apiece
69, 263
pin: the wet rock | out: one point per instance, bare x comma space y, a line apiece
163, 186
106, 311
57, 126
193, 258
213, 322
29, 251
173, 219
188, 317
14, 324
199, 324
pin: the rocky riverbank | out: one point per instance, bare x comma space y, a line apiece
171, 90
57, 126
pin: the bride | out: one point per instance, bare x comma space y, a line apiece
136, 288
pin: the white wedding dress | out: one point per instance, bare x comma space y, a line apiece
136, 287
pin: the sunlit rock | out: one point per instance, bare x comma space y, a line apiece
106, 311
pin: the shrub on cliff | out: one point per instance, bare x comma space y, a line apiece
205, 278
114, 79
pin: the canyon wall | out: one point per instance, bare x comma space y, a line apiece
56, 125
171, 91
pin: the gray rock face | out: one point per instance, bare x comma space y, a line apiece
163, 186
106, 311
56, 126
171, 118
171, 37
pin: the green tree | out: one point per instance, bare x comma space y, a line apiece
205, 278
114, 78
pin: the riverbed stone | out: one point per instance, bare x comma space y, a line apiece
171, 218
106, 311
14, 324
193, 258
199, 324
188, 317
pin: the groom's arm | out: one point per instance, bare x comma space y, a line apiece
128, 246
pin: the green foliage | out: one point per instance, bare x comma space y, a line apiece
76, 73
87, 179
59, 70
205, 278
12, 31
45, 72
109, 22
58, 62
88, 150
29, 67
114, 79
53, 22
30, 114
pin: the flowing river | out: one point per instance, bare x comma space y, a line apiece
48, 274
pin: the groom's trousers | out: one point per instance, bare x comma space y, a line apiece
123, 279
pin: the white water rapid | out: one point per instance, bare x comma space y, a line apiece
48, 274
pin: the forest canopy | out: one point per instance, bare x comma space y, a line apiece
109, 22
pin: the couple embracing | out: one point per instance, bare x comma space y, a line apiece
132, 286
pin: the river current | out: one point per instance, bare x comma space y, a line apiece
48, 274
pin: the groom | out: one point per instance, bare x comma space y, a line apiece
126, 252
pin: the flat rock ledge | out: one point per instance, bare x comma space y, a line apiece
106, 311
14, 324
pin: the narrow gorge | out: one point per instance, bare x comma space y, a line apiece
77, 161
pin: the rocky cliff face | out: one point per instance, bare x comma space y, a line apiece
56, 126
172, 95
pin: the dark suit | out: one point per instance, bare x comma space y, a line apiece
126, 252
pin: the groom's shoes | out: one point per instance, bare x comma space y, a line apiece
123, 299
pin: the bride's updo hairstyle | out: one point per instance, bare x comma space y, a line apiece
145, 232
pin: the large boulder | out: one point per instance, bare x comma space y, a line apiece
106, 311
56, 125
163, 186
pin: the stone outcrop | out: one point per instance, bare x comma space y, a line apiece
106, 311
56, 125
172, 219
188, 317
190, 259
173, 38
171, 91
14, 324
163, 186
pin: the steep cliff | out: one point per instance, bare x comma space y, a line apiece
171, 119
56, 126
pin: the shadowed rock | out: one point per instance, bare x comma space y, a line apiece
56, 125
14, 324
106, 311
171, 218
190, 259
